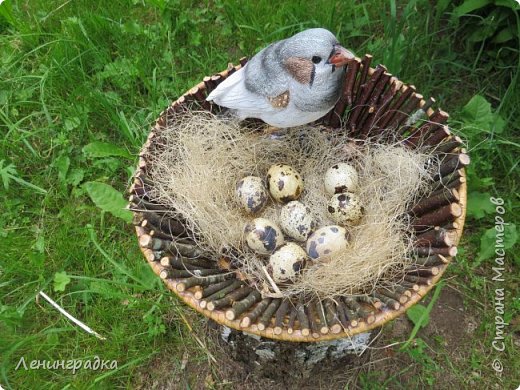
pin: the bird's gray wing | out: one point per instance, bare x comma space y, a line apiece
265, 73
232, 93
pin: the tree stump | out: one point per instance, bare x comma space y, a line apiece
286, 361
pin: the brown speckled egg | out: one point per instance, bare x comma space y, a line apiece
251, 194
263, 236
341, 177
284, 183
345, 208
286, 263
326, 242
296, 220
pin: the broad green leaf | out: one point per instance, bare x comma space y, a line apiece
479, 204
75, 176
498, 125
419, 315
504, 35
61, 279
470, 6
477, 112
72, 123
482, 33
62, 164
441, 6
108, 199
513, 4
104, 149
492, 239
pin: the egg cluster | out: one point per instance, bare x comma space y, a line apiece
285, 185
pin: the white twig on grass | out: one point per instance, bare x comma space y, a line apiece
70, 317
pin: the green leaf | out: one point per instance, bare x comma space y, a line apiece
62, 164
498, 125
494, 239
479, 205
75, 176
504, 35
108, 199
513, 4
104, 149
72, 123
419, 315
477, 112
470, 6
61, 279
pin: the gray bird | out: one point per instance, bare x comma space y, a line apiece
289, 83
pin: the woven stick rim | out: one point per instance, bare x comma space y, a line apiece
381, 317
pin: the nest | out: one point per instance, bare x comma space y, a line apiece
202, 157
190, 229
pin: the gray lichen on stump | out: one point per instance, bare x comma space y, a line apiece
282, 360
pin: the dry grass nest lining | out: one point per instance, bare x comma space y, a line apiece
201, 157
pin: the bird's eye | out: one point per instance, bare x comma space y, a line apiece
316, 59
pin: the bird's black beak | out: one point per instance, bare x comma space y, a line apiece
340, 56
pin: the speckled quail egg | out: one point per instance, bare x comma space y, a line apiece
341, 177
263, 236
345, 208
285, 264
251, 194
326, 242
284, 183
296, 220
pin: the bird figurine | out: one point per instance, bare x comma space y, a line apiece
290, 83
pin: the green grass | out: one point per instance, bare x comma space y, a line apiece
74, 73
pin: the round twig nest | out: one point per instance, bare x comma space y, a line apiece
374, 105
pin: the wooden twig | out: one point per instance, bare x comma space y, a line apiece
361, 100
302, 319
332, 317
396, 104
265, 318
251, 317
346, 95
361, 312
409, 285
428, 251
418, 279
241, 306
230, 298
184, 263
221, 293
436, 237
452, 163
312, 315
184, 284
292, 318
389, 302
422, 271
206, 292
431, 260
437, 217
393, 295
435, 200
280, 316
177, 274
447, 146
